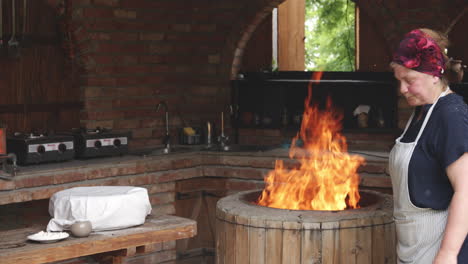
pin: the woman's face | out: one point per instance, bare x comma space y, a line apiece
418, 88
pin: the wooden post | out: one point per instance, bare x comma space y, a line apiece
291, 49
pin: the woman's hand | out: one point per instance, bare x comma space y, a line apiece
444, 257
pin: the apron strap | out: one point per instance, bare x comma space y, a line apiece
408, 123
428, 115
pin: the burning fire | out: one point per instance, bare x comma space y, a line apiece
326, 178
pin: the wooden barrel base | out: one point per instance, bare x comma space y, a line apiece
248, 233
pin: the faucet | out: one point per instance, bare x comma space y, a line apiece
7, 167
209, 131
223, 139
167, 137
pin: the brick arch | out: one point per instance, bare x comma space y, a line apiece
395, 18
457, 36
458, 17
241, 34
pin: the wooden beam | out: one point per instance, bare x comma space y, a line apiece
43, 107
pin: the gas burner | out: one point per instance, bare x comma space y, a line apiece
98, 130
99, 142
32, 148
36, 136
28, 135
90, 131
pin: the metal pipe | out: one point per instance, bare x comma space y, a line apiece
167, 137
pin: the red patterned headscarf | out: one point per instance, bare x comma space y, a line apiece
419, 52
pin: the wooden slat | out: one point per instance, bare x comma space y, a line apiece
155, 230
364, 241
220, 237
274, 242
257, 241
378, 242
330, 238
292, 243
390, 243
311, 243
230, 230
347, 243
242, 238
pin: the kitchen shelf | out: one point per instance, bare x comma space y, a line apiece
263, 98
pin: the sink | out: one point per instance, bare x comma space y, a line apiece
161, 151
240, 148
215, 148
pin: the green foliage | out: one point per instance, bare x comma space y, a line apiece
330, 35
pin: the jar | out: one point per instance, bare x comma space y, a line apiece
81, 228
362, 120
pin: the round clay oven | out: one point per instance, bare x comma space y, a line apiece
248, 233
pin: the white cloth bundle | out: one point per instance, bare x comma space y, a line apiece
106, 207
361, 109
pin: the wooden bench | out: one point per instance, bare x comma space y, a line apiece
16, 248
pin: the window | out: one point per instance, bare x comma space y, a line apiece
315, 35
330, 35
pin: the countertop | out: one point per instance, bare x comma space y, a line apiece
40, 181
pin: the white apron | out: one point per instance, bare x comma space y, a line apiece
419, 230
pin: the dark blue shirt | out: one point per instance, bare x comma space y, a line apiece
443, 141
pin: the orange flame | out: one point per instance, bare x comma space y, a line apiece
326, 178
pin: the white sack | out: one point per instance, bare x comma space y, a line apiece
106, 207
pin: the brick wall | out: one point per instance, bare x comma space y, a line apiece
136, 53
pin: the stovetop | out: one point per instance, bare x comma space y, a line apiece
90, 143
35, 147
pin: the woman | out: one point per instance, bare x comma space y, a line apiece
429, 162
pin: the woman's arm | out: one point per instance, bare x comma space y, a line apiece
457, 222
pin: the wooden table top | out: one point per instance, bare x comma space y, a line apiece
16, 248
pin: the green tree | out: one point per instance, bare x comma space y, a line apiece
330, 35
